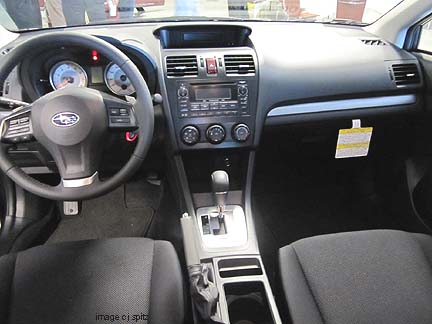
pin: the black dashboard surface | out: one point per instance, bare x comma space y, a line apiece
296, 62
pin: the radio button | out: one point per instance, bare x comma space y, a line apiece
214, 106
243, 90
195, 106
205, 106
223, 105
233, 106
183, 92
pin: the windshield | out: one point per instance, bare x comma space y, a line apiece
17, 15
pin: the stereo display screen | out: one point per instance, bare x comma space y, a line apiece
213, 92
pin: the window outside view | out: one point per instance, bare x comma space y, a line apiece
36, 14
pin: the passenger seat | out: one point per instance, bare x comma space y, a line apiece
380, 276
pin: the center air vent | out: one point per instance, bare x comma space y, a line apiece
406, 74
239, 64
373, 42
180, 66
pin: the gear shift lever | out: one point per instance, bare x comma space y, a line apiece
220, 187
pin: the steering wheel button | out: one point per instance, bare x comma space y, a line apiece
24, 120
13, 122
25, 138
124, 112
114, 112
120, 120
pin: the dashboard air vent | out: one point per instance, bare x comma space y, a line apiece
239, 64
180, 66
373, 42
6, 50
406, 74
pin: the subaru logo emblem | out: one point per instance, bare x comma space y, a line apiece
65, 119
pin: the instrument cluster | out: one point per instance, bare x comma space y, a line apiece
77, 67
71, 74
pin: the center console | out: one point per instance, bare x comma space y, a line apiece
212, 91
210, 76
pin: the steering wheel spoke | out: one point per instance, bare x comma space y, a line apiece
80, 182
121, 114
17, 127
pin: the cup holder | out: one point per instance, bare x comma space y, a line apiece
247, 303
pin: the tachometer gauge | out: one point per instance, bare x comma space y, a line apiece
67, 74
117, 81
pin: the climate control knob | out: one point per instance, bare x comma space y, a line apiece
190, 135
215, 134
241, 132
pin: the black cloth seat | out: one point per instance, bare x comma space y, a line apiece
381, 276
100, 281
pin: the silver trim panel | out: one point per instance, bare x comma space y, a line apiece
346, 104
76, 183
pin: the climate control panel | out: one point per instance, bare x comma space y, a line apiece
214, 134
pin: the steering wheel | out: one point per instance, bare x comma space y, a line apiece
72, 124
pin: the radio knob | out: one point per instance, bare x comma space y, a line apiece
215, 134
243, 90
241, 132
182, 92
190, 135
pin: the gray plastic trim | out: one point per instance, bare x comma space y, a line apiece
76, 183
345, 104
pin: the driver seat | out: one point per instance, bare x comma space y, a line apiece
119, 280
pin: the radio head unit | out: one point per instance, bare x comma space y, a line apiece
212, 99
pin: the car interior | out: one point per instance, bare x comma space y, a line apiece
193, 168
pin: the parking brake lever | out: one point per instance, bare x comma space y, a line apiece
204, 292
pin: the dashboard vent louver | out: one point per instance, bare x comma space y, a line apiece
406, 74
6, 50
181, 66
239, 64
373, 42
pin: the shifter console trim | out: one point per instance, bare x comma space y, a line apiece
235, 227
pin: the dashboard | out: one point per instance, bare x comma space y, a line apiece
220, 83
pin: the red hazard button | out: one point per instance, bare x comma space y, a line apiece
211, 66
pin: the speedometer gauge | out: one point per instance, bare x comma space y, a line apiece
67, 74
117, 81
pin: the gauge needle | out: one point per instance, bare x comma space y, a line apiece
65, 82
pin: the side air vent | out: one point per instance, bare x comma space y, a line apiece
373, 42
406, 74
181, 66
239, 64
6, 50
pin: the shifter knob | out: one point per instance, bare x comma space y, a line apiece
220, 187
